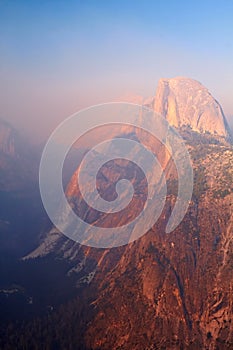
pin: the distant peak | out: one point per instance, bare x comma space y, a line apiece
185, 101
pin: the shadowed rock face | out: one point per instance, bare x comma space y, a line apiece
7, 139
10, 148
18, 160
184, 101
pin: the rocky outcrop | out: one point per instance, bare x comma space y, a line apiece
175, 291
165, 291
18, 161
7, 139
168, 291
184, 101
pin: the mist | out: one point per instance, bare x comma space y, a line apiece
58, 59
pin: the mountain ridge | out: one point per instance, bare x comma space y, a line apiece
186, 102
163, 291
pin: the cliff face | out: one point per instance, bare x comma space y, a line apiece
184, 101
18, 161
173, 291
7, 139
20, 205
9, 160
164, 291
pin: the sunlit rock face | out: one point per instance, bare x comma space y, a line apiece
163, 291
186, 102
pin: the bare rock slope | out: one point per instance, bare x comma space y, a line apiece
184, 101
166, 291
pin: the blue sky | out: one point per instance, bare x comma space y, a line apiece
59, 56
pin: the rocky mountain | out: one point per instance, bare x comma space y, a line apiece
18, 160
19, 192
185, 101
175, 291
183, 90
8, 154
163, 291
7, 139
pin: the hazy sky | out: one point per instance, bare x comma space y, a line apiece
59, 56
